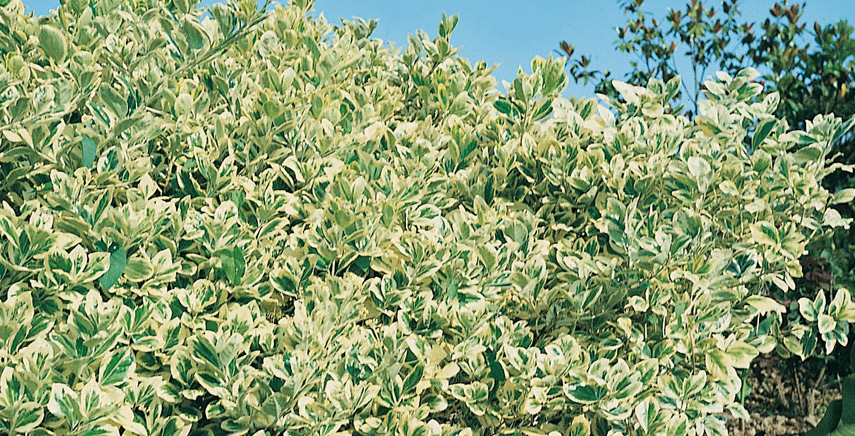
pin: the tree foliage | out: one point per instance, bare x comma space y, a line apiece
810, 68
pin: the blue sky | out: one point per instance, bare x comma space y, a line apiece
511, 33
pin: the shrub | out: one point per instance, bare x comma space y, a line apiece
259, 223
808, 65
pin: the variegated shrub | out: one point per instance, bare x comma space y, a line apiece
255, 222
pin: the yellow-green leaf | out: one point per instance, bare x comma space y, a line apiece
53, 43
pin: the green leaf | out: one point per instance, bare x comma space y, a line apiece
531, 406
646, 413
741, 354
627, 91
762, 132
436, 403
118, 261
700, 169
503, 106
28, 417
183, 104
234, 264
580, 426
829, 421
672, 88
764, 233
718, 363
833, 219
628, 388
138, 269
497, 372
64, 403
197, 38
89, 150
119, 366
212, 383
114, 100
844, 196
204, 351
447, 25
542, 110
811, 153
848, 392
272, 108
183, 6
77, 6
765, 304
413, 378
126, 124
826, 323
584, 394
53, 42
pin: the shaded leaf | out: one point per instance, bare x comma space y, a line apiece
118, 261
53, 42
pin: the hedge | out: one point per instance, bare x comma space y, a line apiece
251, 221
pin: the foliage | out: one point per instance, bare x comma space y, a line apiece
839, 418
259, 223
810, 71
812, 75
706, 35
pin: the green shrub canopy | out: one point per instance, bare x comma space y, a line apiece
260, 223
